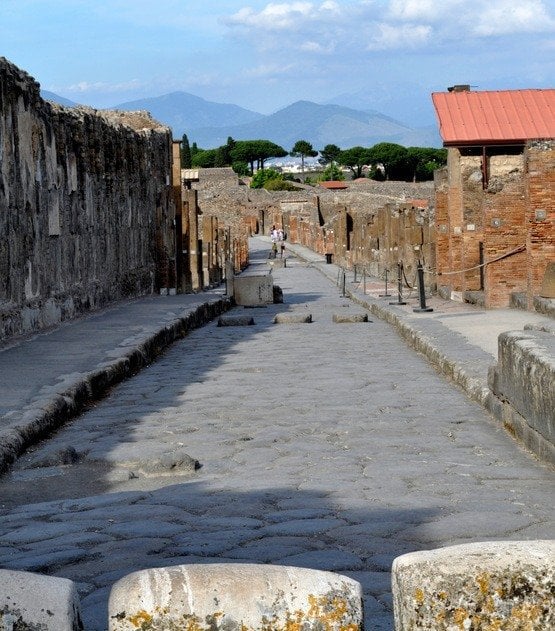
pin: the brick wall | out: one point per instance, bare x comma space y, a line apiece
512, 211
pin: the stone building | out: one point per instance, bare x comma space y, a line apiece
86, 207
495, 199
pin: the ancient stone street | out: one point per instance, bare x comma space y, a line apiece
323, 445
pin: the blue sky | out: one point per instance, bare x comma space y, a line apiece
388, 55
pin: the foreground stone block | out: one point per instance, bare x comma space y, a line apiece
235, 597
33, 601
293, 318
483, 586
356, 317
253, 291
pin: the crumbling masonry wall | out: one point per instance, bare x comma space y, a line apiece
86, 208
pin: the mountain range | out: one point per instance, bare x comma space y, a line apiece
209, 124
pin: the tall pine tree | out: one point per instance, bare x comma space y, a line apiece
185, 153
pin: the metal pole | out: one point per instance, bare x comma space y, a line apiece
344, 281
399, 285
364, 280
421, 291
386, 295
355, 270
481, 246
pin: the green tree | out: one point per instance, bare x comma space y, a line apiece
355, 158
194, 150
331, 172
330, 154
185, 153
263, 176
204, 158
227, 149
241, 168
424, 161
220, 158
256, 152
303, 149
393, 158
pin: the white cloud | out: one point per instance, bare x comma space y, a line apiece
329, 26
510, 16
453, 18
403, 36
268, 71
83, 87
420, 9
316, 47
274, 16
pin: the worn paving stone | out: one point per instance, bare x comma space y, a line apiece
334, 455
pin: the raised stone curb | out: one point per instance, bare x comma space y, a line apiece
492, 585
65, 400
523, 382
35, 602
235, 597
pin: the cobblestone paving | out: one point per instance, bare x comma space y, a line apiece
321, 445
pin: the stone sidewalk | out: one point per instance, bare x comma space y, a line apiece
323, 445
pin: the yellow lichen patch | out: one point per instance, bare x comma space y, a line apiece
330, 612
489, 605
140, 618
483, 581
460, 616
419, 596
525, 617
492, 625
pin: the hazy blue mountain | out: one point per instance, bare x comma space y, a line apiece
209, 124
408, 102
183, 112
319, 125
50, 96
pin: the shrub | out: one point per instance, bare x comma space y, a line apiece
262, 176
279, 185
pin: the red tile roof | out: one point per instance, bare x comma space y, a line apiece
335, 185
501, 117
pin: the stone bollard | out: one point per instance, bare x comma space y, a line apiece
235, 597
491, 585
33, 601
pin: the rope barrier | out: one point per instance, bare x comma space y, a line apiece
520, 248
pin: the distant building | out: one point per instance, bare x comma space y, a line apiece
495, 199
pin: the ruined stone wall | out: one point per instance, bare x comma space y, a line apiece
85, 206
372, 225
507, 222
